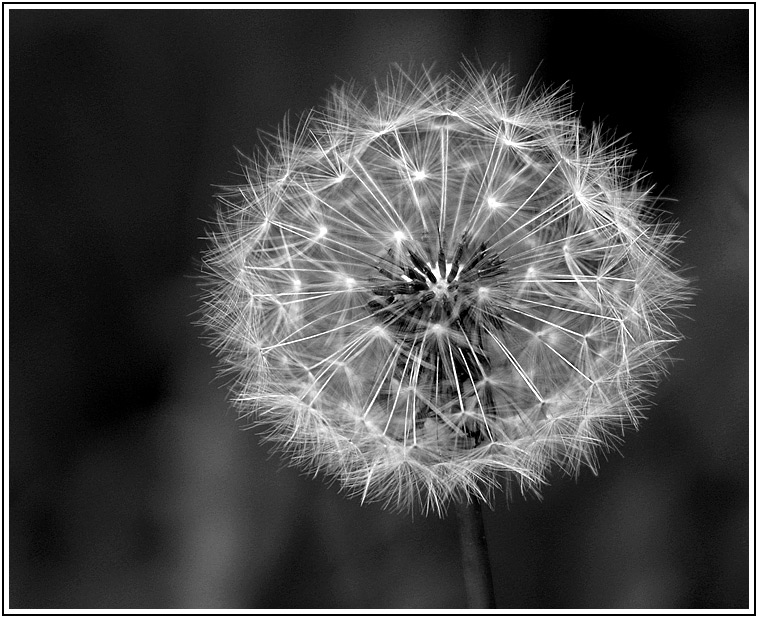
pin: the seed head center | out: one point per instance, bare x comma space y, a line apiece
440, 288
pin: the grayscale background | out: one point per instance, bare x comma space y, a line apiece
131, 482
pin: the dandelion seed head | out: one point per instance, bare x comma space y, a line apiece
447, 289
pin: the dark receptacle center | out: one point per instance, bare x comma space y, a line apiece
413, 293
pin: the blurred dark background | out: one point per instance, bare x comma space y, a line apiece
131, 482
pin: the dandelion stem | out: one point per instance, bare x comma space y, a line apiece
477, 572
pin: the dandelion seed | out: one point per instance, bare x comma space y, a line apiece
428, 341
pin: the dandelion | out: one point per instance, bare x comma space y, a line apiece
444, 289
